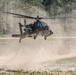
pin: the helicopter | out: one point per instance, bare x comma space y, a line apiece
32, 30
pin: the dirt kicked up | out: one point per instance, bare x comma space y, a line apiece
33, 54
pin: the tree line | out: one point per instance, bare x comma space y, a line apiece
54, 7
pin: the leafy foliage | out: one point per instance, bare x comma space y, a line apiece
59, 6
53, 6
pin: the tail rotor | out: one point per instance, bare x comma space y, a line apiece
20, 27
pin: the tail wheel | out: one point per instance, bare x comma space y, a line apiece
35, 36
45, 37
20, 40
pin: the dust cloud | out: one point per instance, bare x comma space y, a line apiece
30, 54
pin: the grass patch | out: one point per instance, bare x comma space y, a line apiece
55, 72
66, 60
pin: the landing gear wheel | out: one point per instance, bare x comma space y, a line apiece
51, 32
45, 37
34, 37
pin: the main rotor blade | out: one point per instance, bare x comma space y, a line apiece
24, 16
59, 18
32, 18
20, 16
36, 18
46, 18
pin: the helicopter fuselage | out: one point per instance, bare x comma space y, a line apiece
37, 28
32, 30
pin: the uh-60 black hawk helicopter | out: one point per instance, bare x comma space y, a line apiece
32, 30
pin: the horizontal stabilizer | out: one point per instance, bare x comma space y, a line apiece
15, 35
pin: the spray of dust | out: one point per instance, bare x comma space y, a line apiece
30, 54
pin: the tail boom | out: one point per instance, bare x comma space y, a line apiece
15, 35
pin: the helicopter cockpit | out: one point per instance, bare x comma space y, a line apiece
41, 24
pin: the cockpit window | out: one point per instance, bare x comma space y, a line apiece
41, 24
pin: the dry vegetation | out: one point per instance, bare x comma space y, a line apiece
54, 72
